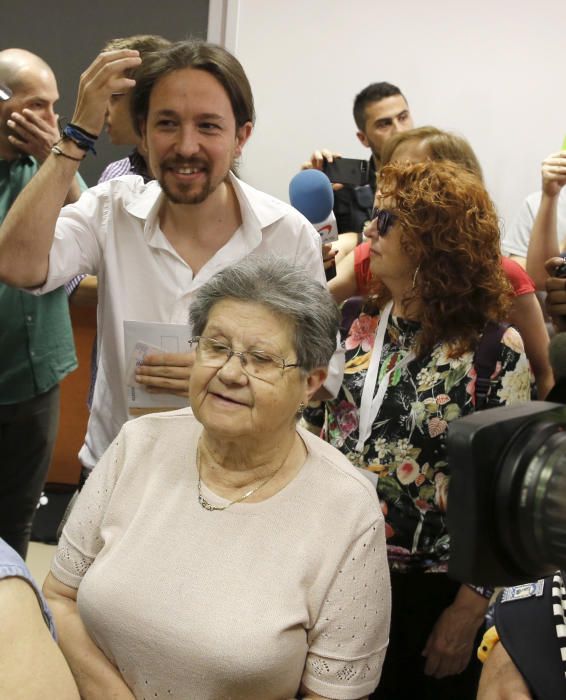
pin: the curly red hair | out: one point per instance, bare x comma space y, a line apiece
450, 228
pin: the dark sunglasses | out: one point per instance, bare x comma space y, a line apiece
385, 219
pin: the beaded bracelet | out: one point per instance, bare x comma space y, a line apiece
83, 139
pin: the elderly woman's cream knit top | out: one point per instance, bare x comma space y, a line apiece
241, 603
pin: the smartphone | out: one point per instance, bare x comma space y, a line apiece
330, 271
347, 171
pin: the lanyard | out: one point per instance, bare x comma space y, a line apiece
370, 405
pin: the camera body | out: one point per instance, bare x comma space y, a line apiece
507, 494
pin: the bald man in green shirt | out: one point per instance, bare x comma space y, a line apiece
36, 340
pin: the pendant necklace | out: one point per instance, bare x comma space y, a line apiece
209, 506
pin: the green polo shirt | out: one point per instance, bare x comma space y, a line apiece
36, 339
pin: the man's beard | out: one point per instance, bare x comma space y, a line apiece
184, 195
188, 194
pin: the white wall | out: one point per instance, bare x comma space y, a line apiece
494, 71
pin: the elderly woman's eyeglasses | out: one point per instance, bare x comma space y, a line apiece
384, 220
255, 363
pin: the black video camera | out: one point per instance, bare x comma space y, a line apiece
507, 494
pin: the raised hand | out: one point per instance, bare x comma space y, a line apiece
554, 173
104, 77
316, 162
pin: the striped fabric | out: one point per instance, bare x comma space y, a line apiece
116, 169
559, 613
134, 164
73, 284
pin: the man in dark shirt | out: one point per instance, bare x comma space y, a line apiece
380, 111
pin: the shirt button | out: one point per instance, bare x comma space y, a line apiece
29, 318
32, 353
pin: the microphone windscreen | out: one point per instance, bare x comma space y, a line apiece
557, 355
311, 193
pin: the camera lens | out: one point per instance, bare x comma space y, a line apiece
530, 496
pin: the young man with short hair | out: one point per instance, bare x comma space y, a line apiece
380, 111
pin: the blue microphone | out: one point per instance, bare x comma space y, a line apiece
311, 193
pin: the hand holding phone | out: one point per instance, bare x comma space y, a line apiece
328, 259
347, 171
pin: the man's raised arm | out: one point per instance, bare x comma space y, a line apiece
544, 243
27, 232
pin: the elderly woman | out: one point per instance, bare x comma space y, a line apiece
354, 275
226, 552
434, 244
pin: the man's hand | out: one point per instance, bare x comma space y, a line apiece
554, 173
450, 645
500, 678
32, 134
556, 295
316, 162
167, 372
101, 79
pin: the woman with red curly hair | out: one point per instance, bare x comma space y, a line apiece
409, 372
353, 275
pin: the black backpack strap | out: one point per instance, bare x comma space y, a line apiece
485, 359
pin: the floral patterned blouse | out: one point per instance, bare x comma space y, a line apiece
407, 445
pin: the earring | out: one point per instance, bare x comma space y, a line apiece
301, 409
415, 276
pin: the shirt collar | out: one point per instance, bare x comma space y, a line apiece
22, 160
145, 205
258, 209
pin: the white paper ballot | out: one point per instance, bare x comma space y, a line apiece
140, 339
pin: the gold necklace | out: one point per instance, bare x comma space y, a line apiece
208, 506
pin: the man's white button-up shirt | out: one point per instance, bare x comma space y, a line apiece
113, 232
